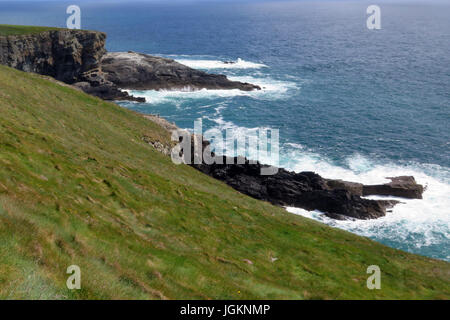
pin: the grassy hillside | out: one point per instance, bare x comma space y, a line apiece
78, 185
11, 30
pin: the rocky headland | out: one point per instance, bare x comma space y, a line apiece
131, 70
338, 199
79, 58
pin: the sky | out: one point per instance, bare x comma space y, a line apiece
209, 1
374, 1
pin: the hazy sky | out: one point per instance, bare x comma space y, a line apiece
194, 1
374, 1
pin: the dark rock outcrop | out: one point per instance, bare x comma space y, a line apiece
403, 187
338, 199
131, 70
70, 56
352, 187
93, 82
61, 54
306, 190
79, 58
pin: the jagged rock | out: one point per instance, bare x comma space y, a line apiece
340, 204
353, 187
70, 56
94, 83
78, 57
106, 91
306, 190
62, 54
404, 187
338, 199
131, 70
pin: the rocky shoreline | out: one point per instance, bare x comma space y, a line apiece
338, 199
132, 70
79, 58
310, 191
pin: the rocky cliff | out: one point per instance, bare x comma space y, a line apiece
62, 54
66, 55
338, 199
79, 57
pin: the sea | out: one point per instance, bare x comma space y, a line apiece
349, 102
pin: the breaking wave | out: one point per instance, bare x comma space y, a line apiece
419, 226
271, 90
218, 64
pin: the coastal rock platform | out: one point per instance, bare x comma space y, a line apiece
79, 58
131, 70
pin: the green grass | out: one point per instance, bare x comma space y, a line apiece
78, 185
11, 30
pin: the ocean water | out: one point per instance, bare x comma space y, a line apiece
350, 103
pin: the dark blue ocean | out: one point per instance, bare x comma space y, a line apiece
349, 102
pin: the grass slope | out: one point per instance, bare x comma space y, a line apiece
78, 185
11, 30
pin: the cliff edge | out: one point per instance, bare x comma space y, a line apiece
79, 57
62, 54
81, 184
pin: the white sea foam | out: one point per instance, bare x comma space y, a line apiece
218, 64
415, 224
233, 132
271, 90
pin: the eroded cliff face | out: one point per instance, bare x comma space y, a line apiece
78, 57
62, 54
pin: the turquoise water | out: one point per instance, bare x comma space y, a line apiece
349, 102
